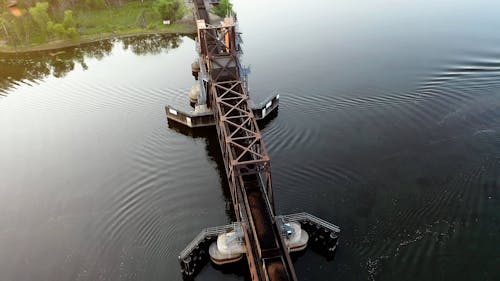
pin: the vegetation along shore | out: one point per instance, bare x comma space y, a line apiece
32, 25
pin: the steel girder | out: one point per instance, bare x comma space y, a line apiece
245, 156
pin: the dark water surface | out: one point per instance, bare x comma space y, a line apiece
389, 126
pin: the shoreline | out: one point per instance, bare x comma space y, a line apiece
179, 29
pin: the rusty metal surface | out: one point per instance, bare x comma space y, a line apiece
245, 156
200, 10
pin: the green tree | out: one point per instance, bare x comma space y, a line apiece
70, 25
172, 10
66, 29
41, 17
72, 33
69, 21
56, 29
223, 9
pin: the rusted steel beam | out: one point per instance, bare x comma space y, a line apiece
245, 155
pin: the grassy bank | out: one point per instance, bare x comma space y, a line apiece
132, 17
93, 25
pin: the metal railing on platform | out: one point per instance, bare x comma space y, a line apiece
207, 232
298, 217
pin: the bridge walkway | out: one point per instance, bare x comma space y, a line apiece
245, 156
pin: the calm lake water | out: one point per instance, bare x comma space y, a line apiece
388, 126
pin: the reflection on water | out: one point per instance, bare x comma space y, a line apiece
389, 126
152, 44
30, 67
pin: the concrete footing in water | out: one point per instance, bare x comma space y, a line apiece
196, 253
322, 237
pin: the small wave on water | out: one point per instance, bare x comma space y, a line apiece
457, 91
425, 232
169, 185
139, 209
451, 216
427, 177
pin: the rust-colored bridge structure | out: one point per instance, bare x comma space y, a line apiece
244, 153
246, 161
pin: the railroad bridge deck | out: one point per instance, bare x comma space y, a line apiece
244, 153
246, 160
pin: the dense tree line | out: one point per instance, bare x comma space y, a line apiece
42, 21
59, 6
